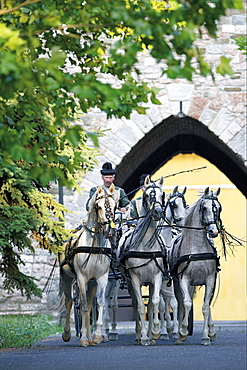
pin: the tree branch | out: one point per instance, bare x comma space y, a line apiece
25, 3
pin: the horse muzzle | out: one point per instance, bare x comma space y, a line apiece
213, 231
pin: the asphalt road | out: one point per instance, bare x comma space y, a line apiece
228, 352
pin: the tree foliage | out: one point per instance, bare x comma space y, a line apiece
55, 57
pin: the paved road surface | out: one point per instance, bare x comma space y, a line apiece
227, 353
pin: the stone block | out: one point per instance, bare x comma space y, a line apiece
230, 131
142, 121
228, 28
207, 116
238, 143
154, 114
128, 132
221, 122
238, 19
179, 91
197, 106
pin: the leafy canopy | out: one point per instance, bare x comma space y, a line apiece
55, 59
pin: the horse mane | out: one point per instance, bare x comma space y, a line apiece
90, 214
189, 212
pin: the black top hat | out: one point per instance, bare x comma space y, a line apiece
107, 169
142, 178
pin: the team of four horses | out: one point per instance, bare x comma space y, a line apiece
147, 254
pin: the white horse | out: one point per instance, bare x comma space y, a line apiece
109, 329
141, 257
193, 260
87, 259
174, 210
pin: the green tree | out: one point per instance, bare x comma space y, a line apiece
53, 54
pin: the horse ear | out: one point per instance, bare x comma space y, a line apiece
100, 189
161, 180
175, 190
111, 189
147, 180
206, 192
217, 192
184, 191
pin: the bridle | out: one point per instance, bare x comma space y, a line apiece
99, 225
150, 208
171, 203
216, 211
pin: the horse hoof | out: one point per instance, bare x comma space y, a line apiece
113, 336
84, 343
178, 341
205, 341
105, 339
164, 336
212, 337
91, 343
170, 330
66, 336
97, 339
137, 341
152, 342
145, 342
156, 336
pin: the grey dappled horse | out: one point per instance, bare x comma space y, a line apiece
194, 262
174, 211
141, 257
87, 259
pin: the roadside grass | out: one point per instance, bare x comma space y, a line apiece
18, 331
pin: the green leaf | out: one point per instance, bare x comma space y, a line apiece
224, 68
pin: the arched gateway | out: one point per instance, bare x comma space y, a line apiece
179, 135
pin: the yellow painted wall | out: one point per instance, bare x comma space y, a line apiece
231, 301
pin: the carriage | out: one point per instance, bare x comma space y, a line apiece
144, 257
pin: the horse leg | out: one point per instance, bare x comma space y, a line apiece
101, 288
187, 302
66, 286
163, 329
84, 341
208, 323
106, 316
145, 341
174, 307
113, 335
91, 301
155, 304
150, 312
179, 297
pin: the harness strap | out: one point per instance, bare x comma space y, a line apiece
93, 250
143, 255
194, 257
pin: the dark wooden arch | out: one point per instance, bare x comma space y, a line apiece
178, 135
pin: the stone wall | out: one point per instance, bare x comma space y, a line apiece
40, 266
220, 105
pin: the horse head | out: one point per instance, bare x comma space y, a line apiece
105, 205
152, 198
175, 206
210, 209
